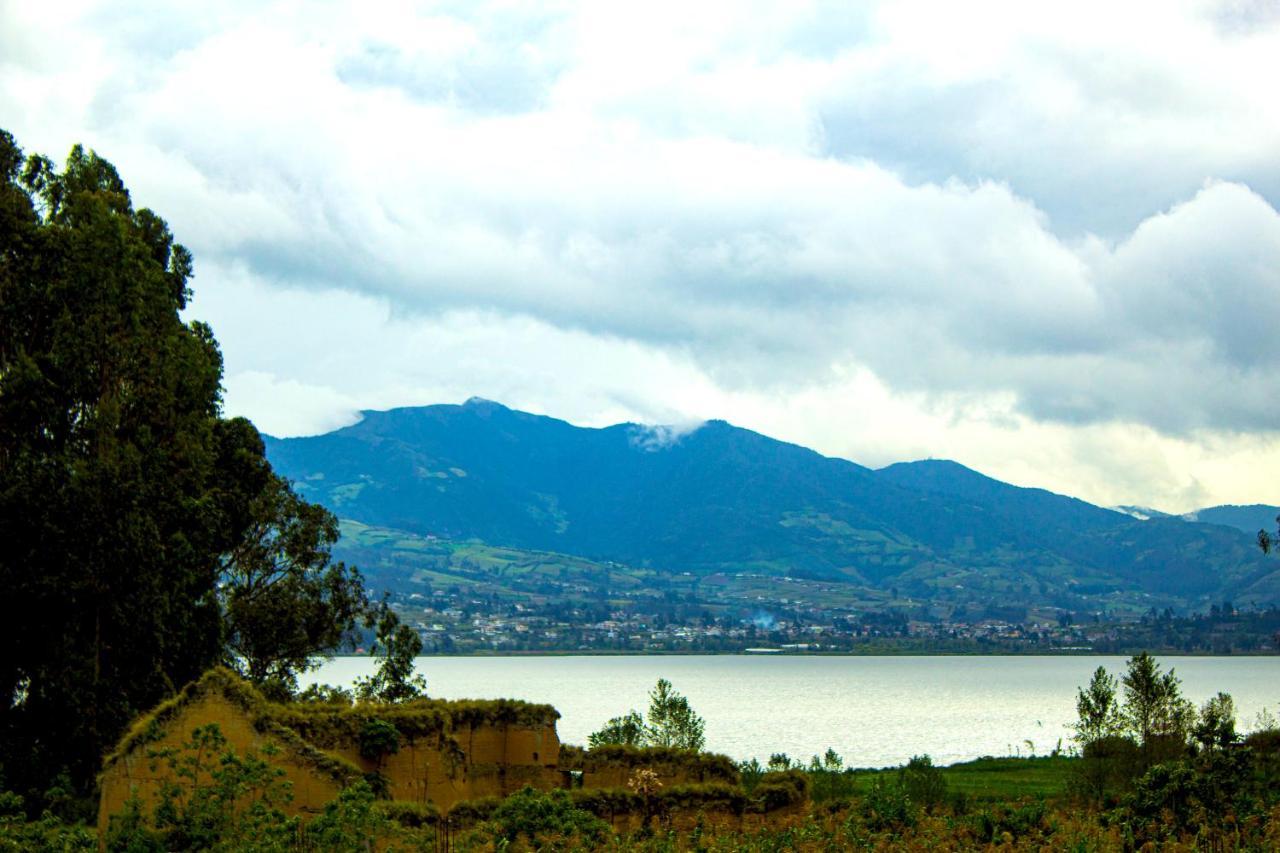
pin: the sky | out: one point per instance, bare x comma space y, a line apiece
1040, 239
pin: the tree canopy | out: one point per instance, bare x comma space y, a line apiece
143, 537
671, 723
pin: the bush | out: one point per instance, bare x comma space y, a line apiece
350, 822
1264, 742
924, 783
780, 789
1108, 766
378, 739
49, 834
542, 816
887, 806
992, 824
829, 779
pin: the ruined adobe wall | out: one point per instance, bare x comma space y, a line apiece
470, 762
311, 787
488, 760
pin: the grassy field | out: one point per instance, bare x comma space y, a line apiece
990, 779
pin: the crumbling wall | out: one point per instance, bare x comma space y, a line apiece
448, 752
466, 764
135, 770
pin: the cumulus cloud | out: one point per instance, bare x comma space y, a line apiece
988, 220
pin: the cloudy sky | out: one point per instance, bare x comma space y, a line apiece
1038, 238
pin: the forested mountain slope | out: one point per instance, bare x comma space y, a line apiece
724, 499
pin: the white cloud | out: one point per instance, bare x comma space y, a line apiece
285, 406
982, 226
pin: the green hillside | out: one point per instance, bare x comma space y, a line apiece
723, 501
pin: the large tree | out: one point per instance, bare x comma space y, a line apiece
125, 499
282, 599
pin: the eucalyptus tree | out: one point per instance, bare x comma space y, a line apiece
125, 497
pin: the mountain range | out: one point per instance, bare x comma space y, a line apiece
719, 499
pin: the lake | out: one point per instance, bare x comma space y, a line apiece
874, 711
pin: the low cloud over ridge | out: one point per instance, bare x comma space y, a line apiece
1002, 216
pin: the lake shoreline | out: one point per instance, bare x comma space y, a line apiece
788, 653
876, 710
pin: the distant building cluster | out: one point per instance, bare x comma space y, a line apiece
465, 620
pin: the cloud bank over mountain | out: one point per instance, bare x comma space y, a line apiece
1042, 241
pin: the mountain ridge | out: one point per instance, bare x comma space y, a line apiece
719, 498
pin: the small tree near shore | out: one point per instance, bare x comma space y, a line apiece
395, 681
671, 723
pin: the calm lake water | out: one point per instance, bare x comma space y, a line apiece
874, 711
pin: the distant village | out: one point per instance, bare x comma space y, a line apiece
456, 623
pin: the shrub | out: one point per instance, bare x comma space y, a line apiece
750, 773
924, 783
779, 790
887, 806
378, 739
992, 824
829, 779
350, 822
541, 816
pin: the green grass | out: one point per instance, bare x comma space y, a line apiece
993, 779
1007, 778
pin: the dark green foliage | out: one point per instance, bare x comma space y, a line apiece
473, 811
410, 815
1154, 724
325, 694
283, 601
139, 531
627, 730
718, 796
1098, 709
779, 790
351, 823
887, 806
829, 779
750, 773
1107, 765
396, 647
110, 521
540, 816
670, 723
378, 739
1156, 714
48, 834
1264, 742
992, 824
1268, 541
608, 802
1215, 727
923, 782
